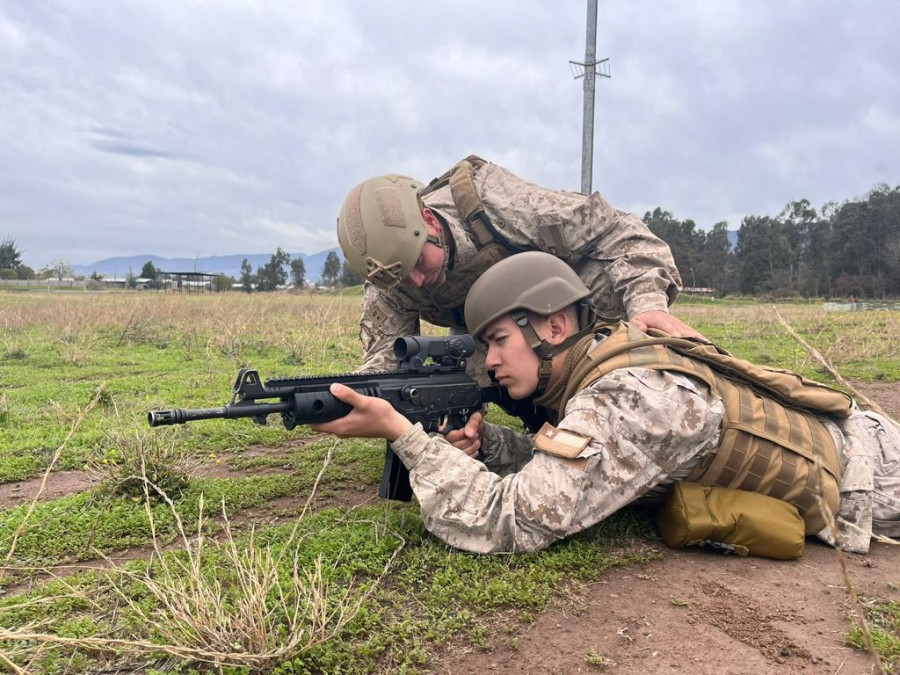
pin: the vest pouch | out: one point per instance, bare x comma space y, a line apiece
727, 520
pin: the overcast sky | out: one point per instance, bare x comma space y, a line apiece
193, 128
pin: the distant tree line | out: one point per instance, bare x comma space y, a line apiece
847, 249
274, 274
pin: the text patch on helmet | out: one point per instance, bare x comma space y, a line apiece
560, 442
391, 209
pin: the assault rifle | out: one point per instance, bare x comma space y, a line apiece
438, 394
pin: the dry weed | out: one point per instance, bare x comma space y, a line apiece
123, 461
224, 323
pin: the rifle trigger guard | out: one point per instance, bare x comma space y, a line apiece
444, 427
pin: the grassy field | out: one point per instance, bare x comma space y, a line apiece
266, 550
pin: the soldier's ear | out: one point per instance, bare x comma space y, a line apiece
434, 225
558, 327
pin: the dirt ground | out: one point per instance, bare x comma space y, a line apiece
699, 613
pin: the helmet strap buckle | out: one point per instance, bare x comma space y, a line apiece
382, 276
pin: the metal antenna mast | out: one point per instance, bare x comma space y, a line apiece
589, 71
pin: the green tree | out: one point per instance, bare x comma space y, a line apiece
797, 218
222, 283
298, 272
149, 271
332, 269
272, 275
130, 279
25, 272
704, 259
765, 255
349, 276
817, 278
716, 260
683, 239
247, 277
96, 276
865, 243
10, 255
11, 265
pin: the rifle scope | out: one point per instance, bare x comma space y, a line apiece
454, 346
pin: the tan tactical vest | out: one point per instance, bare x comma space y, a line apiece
446, 302
772, 441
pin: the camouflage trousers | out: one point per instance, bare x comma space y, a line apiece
870, 482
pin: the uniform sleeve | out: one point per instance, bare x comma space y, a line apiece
384, 318
503, 450
612, 250
641, 425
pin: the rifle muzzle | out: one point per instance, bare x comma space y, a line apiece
161, 418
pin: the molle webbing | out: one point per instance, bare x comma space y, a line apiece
772, 441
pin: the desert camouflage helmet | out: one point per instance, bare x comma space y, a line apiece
532, 281
381, 230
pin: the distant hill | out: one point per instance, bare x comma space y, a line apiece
119, 267
732, 238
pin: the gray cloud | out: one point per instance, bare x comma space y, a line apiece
187, 129
118, 147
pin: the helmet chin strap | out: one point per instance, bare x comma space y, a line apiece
587, 316
441, 241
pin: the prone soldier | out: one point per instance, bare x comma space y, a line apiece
632, 416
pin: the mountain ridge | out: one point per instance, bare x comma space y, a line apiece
120, 266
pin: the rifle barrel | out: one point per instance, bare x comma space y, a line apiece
160, 418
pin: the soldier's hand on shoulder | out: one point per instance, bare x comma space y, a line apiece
665, 322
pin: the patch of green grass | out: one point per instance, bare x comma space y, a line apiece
432, 594
883, 617
74, 527
598, 660
862, 345
351, 291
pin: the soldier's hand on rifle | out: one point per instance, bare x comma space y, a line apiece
468, 439
665, 322
370, 418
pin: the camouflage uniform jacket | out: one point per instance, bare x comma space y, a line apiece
627, 268
643, 430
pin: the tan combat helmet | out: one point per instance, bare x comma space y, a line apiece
381, 229
535, 282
